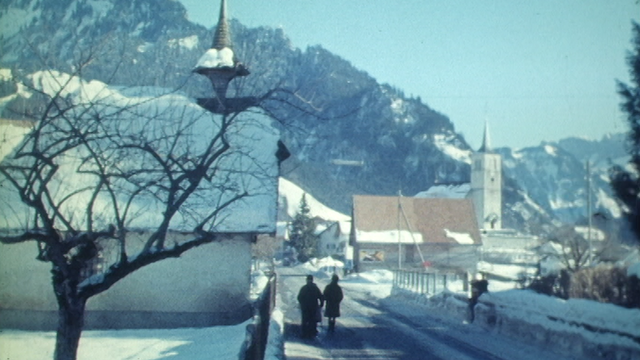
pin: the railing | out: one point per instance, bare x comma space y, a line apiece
258, 332
426, 282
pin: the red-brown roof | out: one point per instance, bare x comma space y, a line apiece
430, 217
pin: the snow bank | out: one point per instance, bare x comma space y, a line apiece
390, 236
576, 327
581, 312
370, 277
275, 342
186, 343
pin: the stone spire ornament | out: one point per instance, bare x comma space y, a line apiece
220, 65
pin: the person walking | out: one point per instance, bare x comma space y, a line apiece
311, 300
333, 296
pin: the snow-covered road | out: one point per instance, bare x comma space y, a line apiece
379, 327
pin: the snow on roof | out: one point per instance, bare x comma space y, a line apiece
320, 228
250, 165
215, 58
380, 217
460, 238
282, 230
390, 236
345, 227
446, 191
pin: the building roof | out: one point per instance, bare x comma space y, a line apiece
389, 219
175, 125
222, 36
446, 191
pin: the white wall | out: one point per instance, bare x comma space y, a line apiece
212, 279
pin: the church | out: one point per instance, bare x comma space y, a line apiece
453, 228
486, 185
499, 246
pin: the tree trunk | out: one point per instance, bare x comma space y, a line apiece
70, 323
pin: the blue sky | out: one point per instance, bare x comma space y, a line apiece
534, 70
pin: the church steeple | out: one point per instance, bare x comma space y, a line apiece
220, 64
486, 185
222, 37
486, 145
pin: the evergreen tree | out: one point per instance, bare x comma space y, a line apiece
626, 183
302, 232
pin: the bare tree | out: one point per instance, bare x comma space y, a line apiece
100, 162
575, 249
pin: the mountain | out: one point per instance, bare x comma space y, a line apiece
554, 175
289, 196
347, 133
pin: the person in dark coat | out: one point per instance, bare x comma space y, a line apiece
478, 287
333, 296
311, 300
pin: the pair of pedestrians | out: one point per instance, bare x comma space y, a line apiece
311, 301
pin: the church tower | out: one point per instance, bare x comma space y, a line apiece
486, 185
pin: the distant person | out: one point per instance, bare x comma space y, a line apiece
478, 287
311, 300
333, 296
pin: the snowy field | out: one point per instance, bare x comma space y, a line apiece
222, 342
225, 342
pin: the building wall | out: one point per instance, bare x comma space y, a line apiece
207, 286
371, 256
332, 242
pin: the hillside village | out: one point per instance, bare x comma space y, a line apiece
116, 237
454, 228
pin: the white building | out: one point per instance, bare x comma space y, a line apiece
486, 185
334, 239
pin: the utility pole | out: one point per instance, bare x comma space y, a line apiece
399, 237
590, 254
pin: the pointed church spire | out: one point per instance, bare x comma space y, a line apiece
486, 145
222, 37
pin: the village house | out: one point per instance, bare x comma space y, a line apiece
448, 226
333, 239
206, 286
414, 233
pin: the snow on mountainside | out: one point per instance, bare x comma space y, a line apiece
554, 175
289, 202
400, 143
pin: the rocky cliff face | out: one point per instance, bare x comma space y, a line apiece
351, 136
